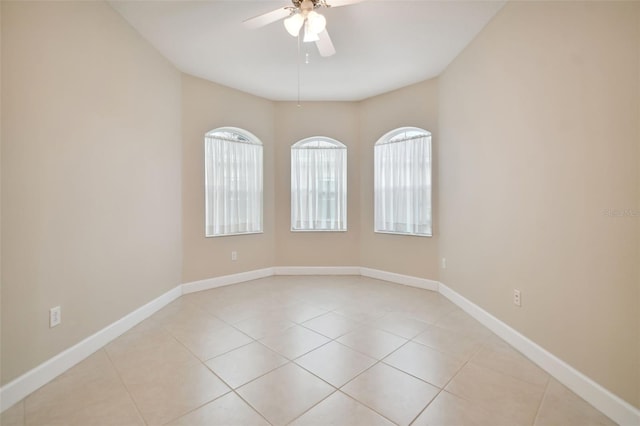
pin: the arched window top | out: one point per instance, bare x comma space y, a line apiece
403, 134
402, 182
319, 185
318, 142
233, 182
233, 134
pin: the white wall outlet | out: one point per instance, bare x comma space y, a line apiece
55, 316
443, 263
234, 255
516, 297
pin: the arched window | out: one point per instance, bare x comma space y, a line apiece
318, 185
233, 182
402, 182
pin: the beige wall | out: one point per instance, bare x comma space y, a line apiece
337, 120
90, 175
207, 106
415, 106
539, 135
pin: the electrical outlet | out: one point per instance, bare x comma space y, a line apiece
234, 255
516, 297
55, 316
444, 263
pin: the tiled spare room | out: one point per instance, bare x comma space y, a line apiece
319, 212
307, 351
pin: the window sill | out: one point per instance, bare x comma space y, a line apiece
234, 234
407, 234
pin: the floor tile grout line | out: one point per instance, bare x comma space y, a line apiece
126, 388
312, 407
255, 378
198, 407
333, 386
251, 406
544, 395
178, 340
365, 405
354, 378
442, 389
511, 375
198, 360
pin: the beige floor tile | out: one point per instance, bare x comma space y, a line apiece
183, 315
448, 409
460, 321
294, 341
140, 340
264, 325
332, 325
401, 325
117, 410
425, 363
285, 393
220, 340
340, 410
335, 363
501, 357
502, 396
301, 312
89, 392
228, 410
192, 323
245, 364
324, 299
372, 342
13, 416
449, 341
362, 312
171, 392
561, 407
138, 355
241, 311
392, 393
430, 313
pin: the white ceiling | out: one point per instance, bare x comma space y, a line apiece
381, 45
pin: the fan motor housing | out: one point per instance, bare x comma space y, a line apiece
316, 3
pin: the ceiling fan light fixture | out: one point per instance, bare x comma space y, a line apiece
316, 22
293, 24
309, 35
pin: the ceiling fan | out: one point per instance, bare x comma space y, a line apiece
303, 15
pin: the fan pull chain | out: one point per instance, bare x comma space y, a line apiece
298, 63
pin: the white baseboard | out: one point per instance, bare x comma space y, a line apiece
32, 380
422, 283
224, 280
611, 405
316, 270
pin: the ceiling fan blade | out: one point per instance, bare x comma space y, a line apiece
267, 18
338, 3
325, 45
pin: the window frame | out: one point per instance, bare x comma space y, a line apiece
389, 138
336, 145
245, 137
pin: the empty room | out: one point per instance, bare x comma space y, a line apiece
317, 212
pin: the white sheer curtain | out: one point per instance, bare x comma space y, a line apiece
319, 186
402, 186
233, 186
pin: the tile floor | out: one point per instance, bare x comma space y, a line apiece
306, 351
